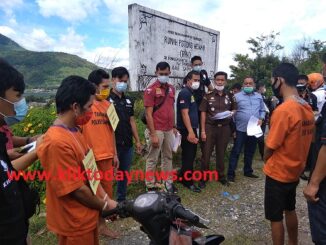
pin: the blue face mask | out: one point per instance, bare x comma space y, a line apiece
197, 68
20, 108
121, 87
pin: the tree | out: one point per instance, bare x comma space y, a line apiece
265, 45
307, 55
265, 49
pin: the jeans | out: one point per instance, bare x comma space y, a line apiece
317, 216
125, 155
249, 143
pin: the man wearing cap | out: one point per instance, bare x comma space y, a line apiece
316, 83
216, 132
311, 99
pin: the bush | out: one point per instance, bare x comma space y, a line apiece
37, 121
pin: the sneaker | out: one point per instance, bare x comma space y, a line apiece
172, 189
251, 175
202, 185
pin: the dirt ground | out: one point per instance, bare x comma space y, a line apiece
241, 221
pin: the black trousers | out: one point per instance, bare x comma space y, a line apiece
261, 141
188, 156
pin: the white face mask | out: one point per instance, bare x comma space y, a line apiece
163, 79
219, 88
195, 85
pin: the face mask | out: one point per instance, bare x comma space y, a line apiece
103, 95
248, 90
197, 68
121, 87
301, 88
20, 108
84, 118
195, 85
163, 79
277, 90
219, 88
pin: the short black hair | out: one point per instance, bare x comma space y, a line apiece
10, 78
236, 86
250, 77
73, 89
97, 76
303, 77
221, 73
189, 76
196, 57
119, 72
260, 84
287, 71
162, 66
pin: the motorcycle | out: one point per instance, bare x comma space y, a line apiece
165, 220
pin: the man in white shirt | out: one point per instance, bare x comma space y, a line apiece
316, 82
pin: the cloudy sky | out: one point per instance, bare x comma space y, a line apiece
98, 29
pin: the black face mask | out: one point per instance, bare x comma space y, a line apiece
277, 90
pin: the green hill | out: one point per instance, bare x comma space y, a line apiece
43, 69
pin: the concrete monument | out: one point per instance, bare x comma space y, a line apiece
155, 37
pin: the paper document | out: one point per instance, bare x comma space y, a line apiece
266, 108
28, 148
253, 129
222, 115
176, 142
113, 116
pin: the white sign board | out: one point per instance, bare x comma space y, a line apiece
155, 37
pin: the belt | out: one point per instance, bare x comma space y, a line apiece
220, 123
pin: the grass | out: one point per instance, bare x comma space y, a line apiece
40, 235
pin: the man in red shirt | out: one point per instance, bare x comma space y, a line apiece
159, 104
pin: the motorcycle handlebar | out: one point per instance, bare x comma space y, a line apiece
108, 213
180, 212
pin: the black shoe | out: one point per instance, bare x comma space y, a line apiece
251, 175
194, 188
231, 179
202, 185
224, 182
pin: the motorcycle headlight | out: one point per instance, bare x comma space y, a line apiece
145, 200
